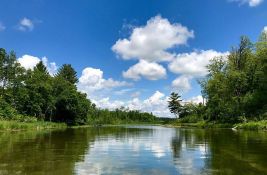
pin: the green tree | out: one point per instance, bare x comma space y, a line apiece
14, 79
71, 106
12, 76
175, 104
68, 73
260, 97
38, 98
3, 57
234, 88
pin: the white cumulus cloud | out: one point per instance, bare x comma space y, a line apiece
29, 62
151, 41
182, 84
155, 98
51, 66
265, 29
157, 103
105, 103
251, 3
92, 80
194, 63
196, 99
151, 71
26, 24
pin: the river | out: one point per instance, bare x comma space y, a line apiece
133, 150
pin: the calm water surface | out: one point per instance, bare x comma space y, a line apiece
133, 150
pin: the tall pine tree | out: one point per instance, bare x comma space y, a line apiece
175, 104
68, 73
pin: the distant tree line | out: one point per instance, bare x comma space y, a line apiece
120, 116
235, 89
54, 98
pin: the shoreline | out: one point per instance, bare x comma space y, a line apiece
25, 126
250, 126
41, 125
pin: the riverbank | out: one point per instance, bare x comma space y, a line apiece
252, 125
14, 125
202, 125
258, 125
38, 125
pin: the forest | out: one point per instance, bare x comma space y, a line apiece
235, 89
35, 95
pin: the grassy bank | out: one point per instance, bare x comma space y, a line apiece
30, 123
256, 125
115, 121
251, 125
201, 124
39, 125
16, 125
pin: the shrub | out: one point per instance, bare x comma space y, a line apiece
6, 111
191, 119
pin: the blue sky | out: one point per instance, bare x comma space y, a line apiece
161, 46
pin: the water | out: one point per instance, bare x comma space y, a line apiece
133, 150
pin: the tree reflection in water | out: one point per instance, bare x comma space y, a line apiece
133, 150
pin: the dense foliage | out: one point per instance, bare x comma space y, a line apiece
48, 97
236, 87
235, 90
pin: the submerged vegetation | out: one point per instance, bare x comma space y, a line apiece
234, 91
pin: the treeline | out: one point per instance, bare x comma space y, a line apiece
46, 97
120, 116
235, 90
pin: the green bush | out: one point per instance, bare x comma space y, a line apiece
191, 119
16, 125
253, 125
6, 111
23, 118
